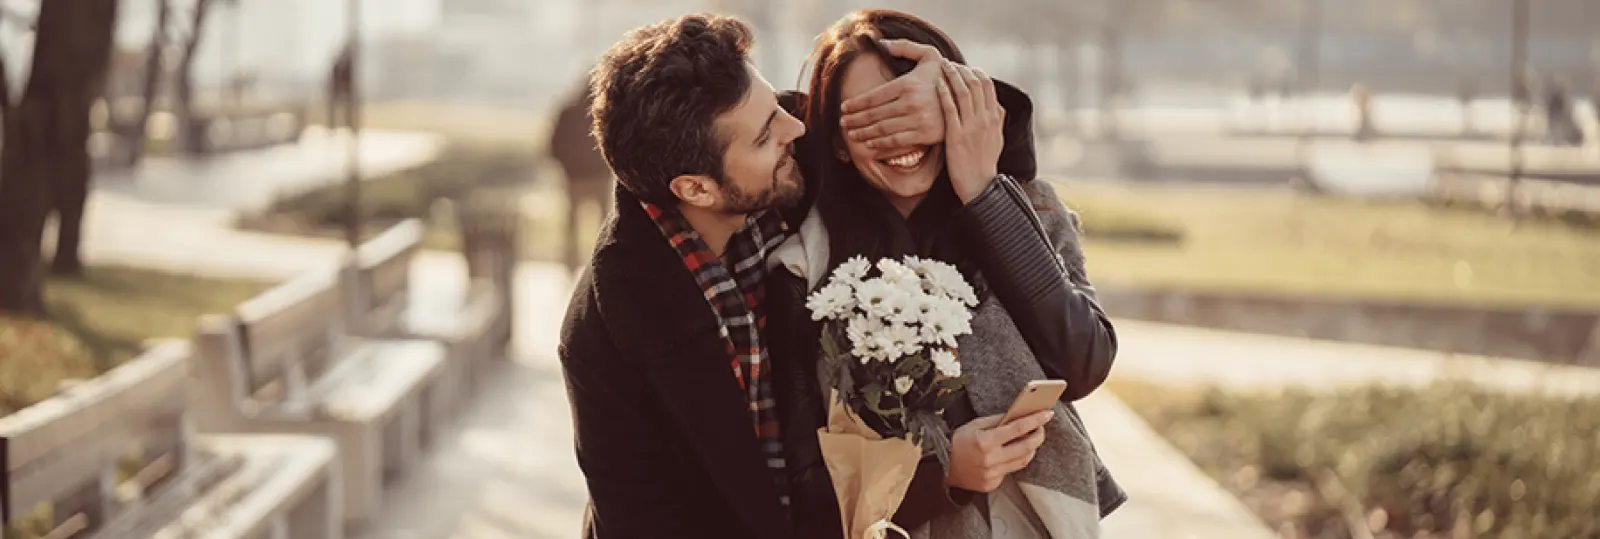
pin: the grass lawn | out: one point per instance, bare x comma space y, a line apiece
1279, 241
1446, 461
99, 322
464, 171
476, 125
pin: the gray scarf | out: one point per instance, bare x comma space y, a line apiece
1059, 486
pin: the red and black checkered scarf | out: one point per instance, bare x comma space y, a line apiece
735, 294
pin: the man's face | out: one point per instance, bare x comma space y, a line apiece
758, 169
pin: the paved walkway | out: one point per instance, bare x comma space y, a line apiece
1182, 354
251, 179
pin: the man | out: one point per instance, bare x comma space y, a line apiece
662, 349
588, 176
675, 421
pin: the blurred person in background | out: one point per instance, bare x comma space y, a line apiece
963, 193
1361, 98
1466, 93
1561, 118
588, 175
1594, 104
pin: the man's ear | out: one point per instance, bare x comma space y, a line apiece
696, 190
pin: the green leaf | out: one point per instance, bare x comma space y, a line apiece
954, 384
929, 431
914, 366
844, 379
830, 345
874, 395
947, 398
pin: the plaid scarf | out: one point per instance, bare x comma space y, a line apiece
736, 298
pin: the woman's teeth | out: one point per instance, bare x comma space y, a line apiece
907, 161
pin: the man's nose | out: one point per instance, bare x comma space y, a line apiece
793, 127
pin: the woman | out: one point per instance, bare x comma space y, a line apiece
1008, 234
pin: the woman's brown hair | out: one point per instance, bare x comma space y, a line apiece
860, 219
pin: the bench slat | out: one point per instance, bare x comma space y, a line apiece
67, 442
383, 275
297, 322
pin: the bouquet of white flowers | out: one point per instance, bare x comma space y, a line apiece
889, 343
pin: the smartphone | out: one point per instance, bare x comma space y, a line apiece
1037, 396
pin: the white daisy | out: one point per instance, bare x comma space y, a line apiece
834, 301
945, 362
943, 279
898, 274
877, 298
906, 306
903, 384
922, 307
851, 270
861, 329
948, 320
904, 340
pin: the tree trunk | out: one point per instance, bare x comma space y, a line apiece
190, 138
24, 196
44, 164
92, 37
138, 133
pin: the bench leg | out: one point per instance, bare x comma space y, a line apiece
319, 515
440, 402
402, 439
361, 470
280, 529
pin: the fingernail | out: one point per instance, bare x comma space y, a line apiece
1051, 415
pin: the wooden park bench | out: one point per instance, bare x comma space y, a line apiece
284, 362
116, 457
491, 241
381, 306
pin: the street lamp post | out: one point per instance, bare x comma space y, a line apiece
1111, 83
1522, 99
1308, 71
352, 111
1310, 57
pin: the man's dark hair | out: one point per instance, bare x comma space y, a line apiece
656, 95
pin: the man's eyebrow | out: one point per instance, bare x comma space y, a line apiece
766, 130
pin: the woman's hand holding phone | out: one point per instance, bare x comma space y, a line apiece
987, 449
984, 451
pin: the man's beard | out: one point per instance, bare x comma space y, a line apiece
785, 190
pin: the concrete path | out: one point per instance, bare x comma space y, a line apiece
248, 180
1188, 355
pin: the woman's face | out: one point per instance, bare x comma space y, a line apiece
904, 175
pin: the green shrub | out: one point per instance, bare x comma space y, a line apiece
458, 173
1111, 220
1452, 455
